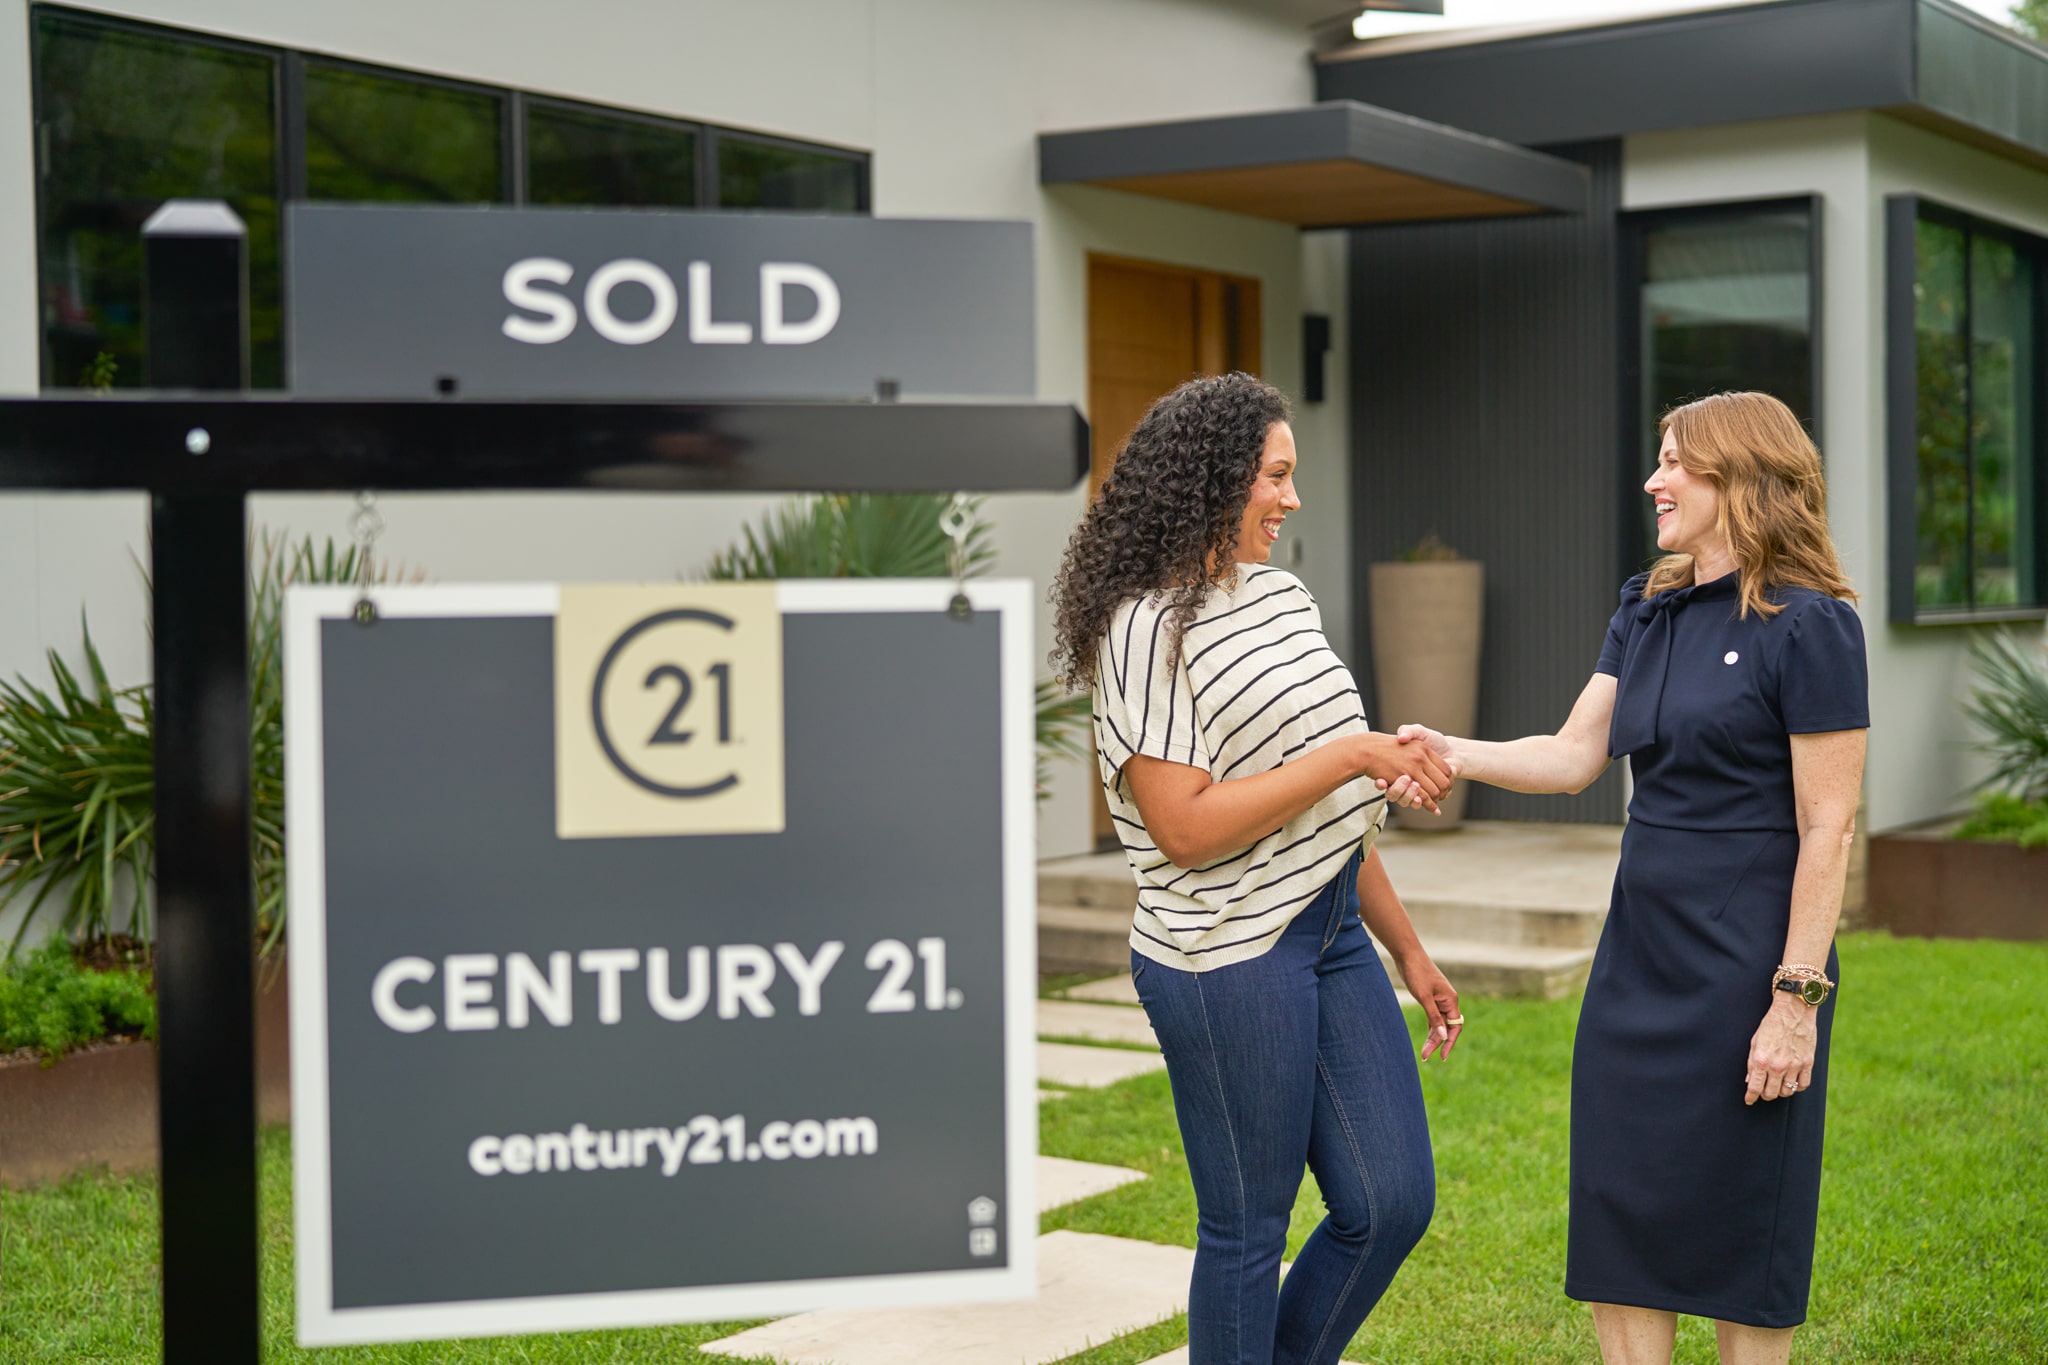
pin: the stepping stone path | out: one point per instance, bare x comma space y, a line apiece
1090, 1288
1097, 1023
1061, 1181
1093, 1067
1111, 990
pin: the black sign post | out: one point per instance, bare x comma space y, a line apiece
196, 283
199, 455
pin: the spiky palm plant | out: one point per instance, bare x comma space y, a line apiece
2010, 704
851, 535
890, 535
78, 781
77, 798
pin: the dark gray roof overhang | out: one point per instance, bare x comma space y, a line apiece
1930, 62
1339, 164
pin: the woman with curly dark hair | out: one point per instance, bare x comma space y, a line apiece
1247, 790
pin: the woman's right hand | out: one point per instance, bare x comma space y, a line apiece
1400, 791
1412, 774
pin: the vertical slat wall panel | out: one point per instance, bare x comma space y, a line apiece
1484, 408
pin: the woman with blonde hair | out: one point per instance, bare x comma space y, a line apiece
1734, 679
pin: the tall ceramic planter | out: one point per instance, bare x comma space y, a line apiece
1425, 657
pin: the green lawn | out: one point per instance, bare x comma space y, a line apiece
1934, 1218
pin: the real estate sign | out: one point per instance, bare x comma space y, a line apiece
740, 1027
409, 301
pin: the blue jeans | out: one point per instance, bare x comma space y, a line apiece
1299, 1055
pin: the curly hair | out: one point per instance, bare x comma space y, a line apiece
1168, 512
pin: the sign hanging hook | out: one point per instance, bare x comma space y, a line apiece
365, 524
957, 521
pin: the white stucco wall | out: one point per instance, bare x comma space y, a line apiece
1321, 530
1919, 765
948, 95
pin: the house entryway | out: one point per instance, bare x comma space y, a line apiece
1152, 326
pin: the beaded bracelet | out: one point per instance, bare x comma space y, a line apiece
1800, 972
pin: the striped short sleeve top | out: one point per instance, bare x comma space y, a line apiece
1253, 685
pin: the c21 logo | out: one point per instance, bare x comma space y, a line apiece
525, 279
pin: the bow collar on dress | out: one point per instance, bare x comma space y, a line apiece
1640, 692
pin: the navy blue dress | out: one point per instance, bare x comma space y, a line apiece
1682, 1197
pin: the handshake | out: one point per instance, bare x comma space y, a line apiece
1414, 766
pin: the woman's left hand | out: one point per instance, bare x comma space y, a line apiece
1433, 991
1781, 1054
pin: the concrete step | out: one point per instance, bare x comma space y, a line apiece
1506, 882
1083, 938
1542, 886
1515, 970
1100, 880
1090, 1288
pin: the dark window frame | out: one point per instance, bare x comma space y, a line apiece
667, 123
1634, 227
715, 134
288, 131
39, 130
293, 64
1903, 213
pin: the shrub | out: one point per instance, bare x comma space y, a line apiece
2004, 819
51, 1002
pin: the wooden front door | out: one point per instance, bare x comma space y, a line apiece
1150, 327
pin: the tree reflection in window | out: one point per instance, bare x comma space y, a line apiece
376, 137
586, 156
1726, 299
1976, 491
768, 175
129, 119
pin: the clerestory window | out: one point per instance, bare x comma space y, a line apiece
128, 115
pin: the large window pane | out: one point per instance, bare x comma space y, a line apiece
1977, 438
129, 119
1941, 319
2001, 360
581, 156
377, 137
766, 175
1726, 302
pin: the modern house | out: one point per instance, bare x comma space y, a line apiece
1482, 261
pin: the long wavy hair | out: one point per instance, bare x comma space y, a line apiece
1774, 500
1168, 514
